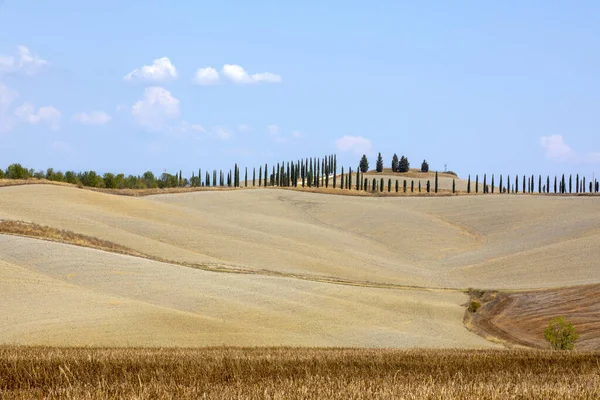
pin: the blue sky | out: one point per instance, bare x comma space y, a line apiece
484, 87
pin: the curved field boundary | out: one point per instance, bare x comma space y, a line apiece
519, 318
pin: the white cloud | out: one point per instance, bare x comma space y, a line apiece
355, 144
49, 115
297, 134
184, 129
273, 130
243, 128
237, 74
161, 70
92, 118
267, 77
222, 133
206, 76
7, 97
156, 108
25, 61
556, 149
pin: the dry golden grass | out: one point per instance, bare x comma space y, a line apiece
28, 229
292, 373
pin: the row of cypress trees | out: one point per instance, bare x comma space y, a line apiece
528, 185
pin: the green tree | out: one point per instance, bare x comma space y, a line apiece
476, 183
560, 334
381, 185
2, 176
16, 171
390, 184
436, 181
428, 187
454, 186
412, 186
469, 184
404, 186
110, 181
424, 166
379, 166
396, 185
395, 163
403, 164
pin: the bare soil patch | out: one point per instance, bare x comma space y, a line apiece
521, 317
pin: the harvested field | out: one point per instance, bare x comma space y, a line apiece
311, 269
492, 242
291, 373
521, 317
60, 295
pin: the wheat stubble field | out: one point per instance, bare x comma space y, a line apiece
272, 267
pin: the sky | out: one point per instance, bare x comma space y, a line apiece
505, 87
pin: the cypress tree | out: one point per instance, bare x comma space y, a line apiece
342, 183
214, 177
366, 184
207, 179
419, 186
547, 183
517, 184
468, 184
381, 185
358, 180
200, 177
180, 179
555, 184
577, 184
265, 177
334, 169
396, 185
484, 183
390, 185
412, 186
454, 185
591, 189
500, 188
334, 177
436, 181
379, 164
347, 181
374, 185
349, 178
523, 183
570, 183
562, 183
476, 183
508, 184
492, 183
404, 186
428, 186
318, 175
583, 186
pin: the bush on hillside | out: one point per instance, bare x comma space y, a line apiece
560, 334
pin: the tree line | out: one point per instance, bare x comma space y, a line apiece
307, 172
